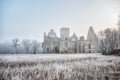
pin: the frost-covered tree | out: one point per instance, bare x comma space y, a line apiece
115, 36
26, 43
35, 46
5, 48
119, 22
119, 32
108, 40
101, 42
15, 43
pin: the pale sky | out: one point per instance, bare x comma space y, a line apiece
29, 19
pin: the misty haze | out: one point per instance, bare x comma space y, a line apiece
60, 40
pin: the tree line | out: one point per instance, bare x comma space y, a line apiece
108, 43
16, 46
109, 40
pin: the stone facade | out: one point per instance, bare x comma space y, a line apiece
69, 44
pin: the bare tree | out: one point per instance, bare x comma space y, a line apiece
115, 38
15, 43
35, 46
119, 32
108, 40
26, 43
5, 47
119, 21
101, 42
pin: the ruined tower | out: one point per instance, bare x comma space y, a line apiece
92, 38
65, 33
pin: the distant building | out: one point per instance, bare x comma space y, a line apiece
69, 44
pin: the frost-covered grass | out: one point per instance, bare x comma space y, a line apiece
58, 66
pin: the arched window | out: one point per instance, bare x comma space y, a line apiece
52, 34
47, 49
83, 48
56, 50
79, 48
89, 46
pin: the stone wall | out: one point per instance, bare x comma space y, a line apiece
67, 44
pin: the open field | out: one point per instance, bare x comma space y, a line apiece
59, 67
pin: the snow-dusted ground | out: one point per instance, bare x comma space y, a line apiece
58, 66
